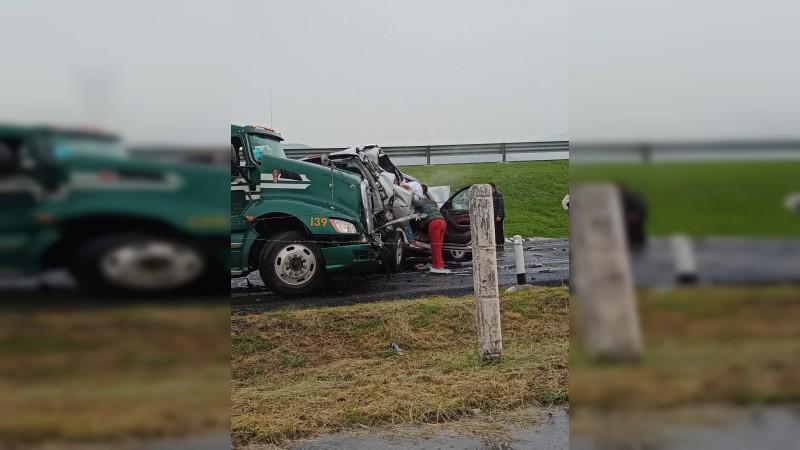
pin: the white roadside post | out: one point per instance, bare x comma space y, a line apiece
484, 264
600, 268
792, 203
683, 259
520, 259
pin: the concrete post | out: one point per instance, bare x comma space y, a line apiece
683, 259
503, 150
428, 154
484, 263
600, 270
520, 259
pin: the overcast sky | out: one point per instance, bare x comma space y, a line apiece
412, 72
684, 69
156, 71
344, 73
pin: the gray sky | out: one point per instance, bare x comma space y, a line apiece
412, 72
154, 71
344, 73
684, 69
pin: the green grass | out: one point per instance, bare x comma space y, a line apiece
708, 198
720, 345
332, 369
532, 191
104, 375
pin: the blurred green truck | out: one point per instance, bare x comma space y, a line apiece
74, 199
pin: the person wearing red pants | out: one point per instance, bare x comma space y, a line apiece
436, 233
436, 227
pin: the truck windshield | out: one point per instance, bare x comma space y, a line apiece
66, 146
265, 146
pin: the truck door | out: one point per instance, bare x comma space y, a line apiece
240, 186
242, 193
20, 195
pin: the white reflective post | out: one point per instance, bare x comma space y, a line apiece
683, 259
600, 269
520, 259
484, 263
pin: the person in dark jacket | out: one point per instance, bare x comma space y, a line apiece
499, 217
635, 214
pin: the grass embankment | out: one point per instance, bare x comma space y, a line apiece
708, 198
532, 191
707, 345
306, 372
112, 374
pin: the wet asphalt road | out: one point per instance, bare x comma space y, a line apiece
546, 264
721, 261
703, 427
742, 261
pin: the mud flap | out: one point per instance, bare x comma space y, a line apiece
383, 257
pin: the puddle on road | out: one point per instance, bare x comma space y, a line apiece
545, 428
721, 428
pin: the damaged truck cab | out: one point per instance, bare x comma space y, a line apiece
294, 221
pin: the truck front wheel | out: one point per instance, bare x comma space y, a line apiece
137, 264
291, 265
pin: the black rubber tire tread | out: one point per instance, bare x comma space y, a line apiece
393, 245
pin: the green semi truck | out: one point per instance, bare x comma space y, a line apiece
294, 221
74, 199
297, 221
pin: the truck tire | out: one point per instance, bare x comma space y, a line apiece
135, 264
397, 252
291, 265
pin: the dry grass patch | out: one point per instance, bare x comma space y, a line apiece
702, 345
301, 373
111, 374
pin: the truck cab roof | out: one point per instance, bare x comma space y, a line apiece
27, 130
255, 129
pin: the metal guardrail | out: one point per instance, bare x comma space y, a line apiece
220, 156
578, 152
683, 151
428, 151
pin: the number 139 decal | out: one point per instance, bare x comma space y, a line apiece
319, 221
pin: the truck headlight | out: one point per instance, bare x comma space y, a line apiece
343, 226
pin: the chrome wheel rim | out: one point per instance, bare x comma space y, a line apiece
152, 264
295, 264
